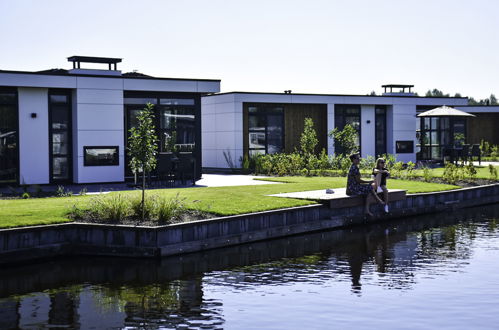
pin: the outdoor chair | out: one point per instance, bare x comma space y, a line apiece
476, 152
165, 170
465, 152
186, 167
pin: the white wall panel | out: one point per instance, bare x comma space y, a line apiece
100, 117
90, 174
100, 96
33, 136
160, 85
235, 155
208, 123
34, 80
99, 83
100, 138
209, 157
207, 108
209, 140
208, 86
404, 128
367, 130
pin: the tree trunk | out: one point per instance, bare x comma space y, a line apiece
143, 192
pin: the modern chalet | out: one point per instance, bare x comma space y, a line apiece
70, 126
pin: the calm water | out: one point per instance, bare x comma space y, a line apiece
432, 272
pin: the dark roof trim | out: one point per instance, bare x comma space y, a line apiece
309, 94
104, 76
92, 59
397, 85
476, 106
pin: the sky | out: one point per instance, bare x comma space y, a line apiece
312, 46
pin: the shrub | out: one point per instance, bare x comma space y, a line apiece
367, 163
390, 160
427, 175
169, 209
450, 174
149, 207
493, 172
470, 171
115, 207
396, 169
308, 139
345, 140
60, 192
409, 170
25, 195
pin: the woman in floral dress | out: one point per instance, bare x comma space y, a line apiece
358, 187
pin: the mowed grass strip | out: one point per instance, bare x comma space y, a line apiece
482, 172
217, 200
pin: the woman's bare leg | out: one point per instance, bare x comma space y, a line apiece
366, 207
385, 194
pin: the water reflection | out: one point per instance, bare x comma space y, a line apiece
171, 293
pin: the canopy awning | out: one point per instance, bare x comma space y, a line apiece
445, 111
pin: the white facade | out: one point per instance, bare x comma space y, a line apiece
97, 117
222, 120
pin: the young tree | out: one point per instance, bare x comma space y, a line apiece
142, 147
308, 139
308, 143
345, 140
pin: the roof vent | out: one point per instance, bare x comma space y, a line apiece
111, 62
400, 90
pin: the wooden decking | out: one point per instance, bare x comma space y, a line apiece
339, 198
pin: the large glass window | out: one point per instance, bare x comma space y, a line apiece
175, 121
347, 114
9, 152
380, 132
177, 125
60, 135
265, 129
437, 136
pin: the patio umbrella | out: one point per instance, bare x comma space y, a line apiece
445, 111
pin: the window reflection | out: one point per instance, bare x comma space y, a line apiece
8, 137
265, 129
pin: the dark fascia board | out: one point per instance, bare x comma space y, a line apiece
104, 76
357, 95
476, 106
397, 85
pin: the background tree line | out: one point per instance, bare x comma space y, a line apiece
491, 100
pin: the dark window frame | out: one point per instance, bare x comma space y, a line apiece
116, 161
14, 91
68, 130
339, 112
265, 113
376, 133
196, 152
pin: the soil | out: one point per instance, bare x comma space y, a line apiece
186, 217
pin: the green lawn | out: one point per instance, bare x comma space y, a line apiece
482, 172
217, 200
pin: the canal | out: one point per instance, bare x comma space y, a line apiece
426, 272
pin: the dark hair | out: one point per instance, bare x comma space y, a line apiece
353, 156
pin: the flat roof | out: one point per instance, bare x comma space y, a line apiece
397, 85
65, 73
93, 59
358, 95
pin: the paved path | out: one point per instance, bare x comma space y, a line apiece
225, 180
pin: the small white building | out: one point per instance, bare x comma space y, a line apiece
241, 123
70, 126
